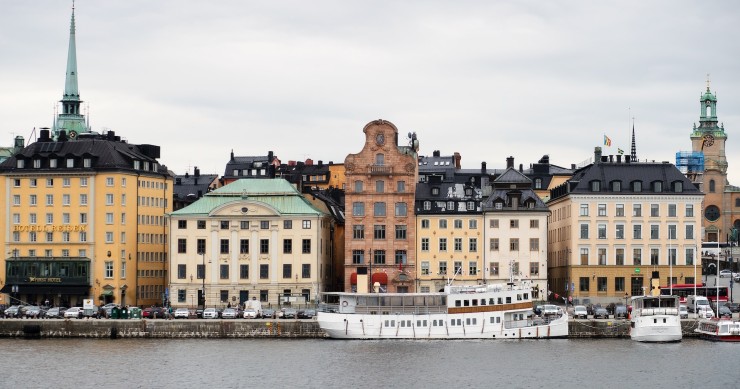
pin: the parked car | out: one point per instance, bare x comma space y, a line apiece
12, 311
704, 312
600, 313
683, 311
727, 273
32, 312
306, 314
90, 313
108, 308
249, 313
620, 311
73, 313
268, 313
228, 313
580, 312
210, 313
549, 309
289, 313
182, 313
734, 307
199, 313
154, 313
537, 310
723, 311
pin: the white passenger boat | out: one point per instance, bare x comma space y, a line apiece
719, 329
655, 319
460, 312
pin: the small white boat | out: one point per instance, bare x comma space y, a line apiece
459, 312
719, 329
655, 319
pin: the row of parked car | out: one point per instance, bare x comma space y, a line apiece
616, 311
38, 312
234, 313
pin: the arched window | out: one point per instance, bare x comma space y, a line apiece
711, 186
538, 183
380, 159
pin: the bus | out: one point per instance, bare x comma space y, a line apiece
684, 290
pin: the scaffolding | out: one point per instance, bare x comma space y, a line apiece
691, 164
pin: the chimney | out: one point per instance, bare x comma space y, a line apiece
269, 156
44, 136
321, 163
619, 158
309, 162
597, 154
611, 158
457, 159
509, 162
111, 135
232, 155
521, 168
572, 166
626, 159
435, 153
62, 136
483, 167
19, 142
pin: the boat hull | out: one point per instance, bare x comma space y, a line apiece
362, 326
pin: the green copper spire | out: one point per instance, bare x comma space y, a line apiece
70, 119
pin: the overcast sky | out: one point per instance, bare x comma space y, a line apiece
302, 78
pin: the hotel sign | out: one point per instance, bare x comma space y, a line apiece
51, 228
44, 279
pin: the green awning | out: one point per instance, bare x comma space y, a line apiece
107, 292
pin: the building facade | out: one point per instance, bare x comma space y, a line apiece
620, 228
380, 233
251, 238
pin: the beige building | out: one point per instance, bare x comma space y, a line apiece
253, 238
380, 233
621, 228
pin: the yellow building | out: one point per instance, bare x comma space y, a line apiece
85, 219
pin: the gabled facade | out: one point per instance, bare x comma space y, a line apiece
380, 233
252, 238
621, 228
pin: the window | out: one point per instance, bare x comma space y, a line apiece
182, 245
243, 246
108, 269
264, 224
473, 245
66, 199
584, 256
49, 218
637, 210
602, 231
83, 181
442, 267
689, 210
602, 209
617, 186
264, 246
601, 284
672, 256
689, 231
534, 223
424, 244
224, 246
109, 199
181, 295
637, 231
671, 210
442, 244
619, 210
181, 272
306, 224
472, 268
584, 210
654, 231
200, 246
50, 199
493, 244
473, 224
534, 244
514, 244
16, 200
584, 231
657, 186
689, 256
224, 224
401, 186
379, 209
654, 210
427, 205
424, 268
425, 223
400, 257
442, 223
182, 224
637, 257
306, 246
595, 186
493, 268
513, 223
583, 284
306, 270
457, 244
654, 256
358, 257
602, 256
380, 186
457, 223
400, 209
619, 257
358, 186
637, 186
200, 271
201, 224
224, 272
379, 231
358, 232
264, 271
672, 231
534, 268
287, 246
379, 257
358, 208
400, 232
619, 284
287, 224
619, 230
109, 181
287, 270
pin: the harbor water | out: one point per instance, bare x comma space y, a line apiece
320, 363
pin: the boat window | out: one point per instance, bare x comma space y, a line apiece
526, 296
482, 301
362, 301
396, 301
458, 303
467, 321
372, 301
419, 301
466, 303
403, 323
518, 297
444, 300
498, 320
408, 301
384, 301
387, 323
500, 300
475, 303
492, 320
508, 300
490, 301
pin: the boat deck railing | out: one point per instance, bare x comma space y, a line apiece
383, 309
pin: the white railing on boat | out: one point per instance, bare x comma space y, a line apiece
384, 309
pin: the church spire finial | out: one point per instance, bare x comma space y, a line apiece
71, 119
708, 82
633, 152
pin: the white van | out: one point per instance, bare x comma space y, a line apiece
696, 303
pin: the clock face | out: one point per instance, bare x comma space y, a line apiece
708, 103
711, 213
380, 139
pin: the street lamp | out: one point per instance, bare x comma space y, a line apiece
203, 255
370, 262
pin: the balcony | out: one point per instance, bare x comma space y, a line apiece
380, 170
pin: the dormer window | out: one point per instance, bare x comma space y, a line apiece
468, 191
499, 205
538, 183
20, 164
657, 186
678, 186
70, 162
137, 165
435, 191
87, 162
595, 186
53, 163
616, 186
36, 163
427, 205
637, 186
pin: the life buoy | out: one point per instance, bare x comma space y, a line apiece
344, 303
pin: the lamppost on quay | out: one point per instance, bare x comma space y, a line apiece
370, 262
203, 256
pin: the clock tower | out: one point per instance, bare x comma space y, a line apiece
710, 138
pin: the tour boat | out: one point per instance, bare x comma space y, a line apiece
719, 329
655, 319
500, 311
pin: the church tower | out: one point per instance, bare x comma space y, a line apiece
71, 120
709, 138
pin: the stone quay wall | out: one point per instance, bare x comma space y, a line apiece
202, 328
